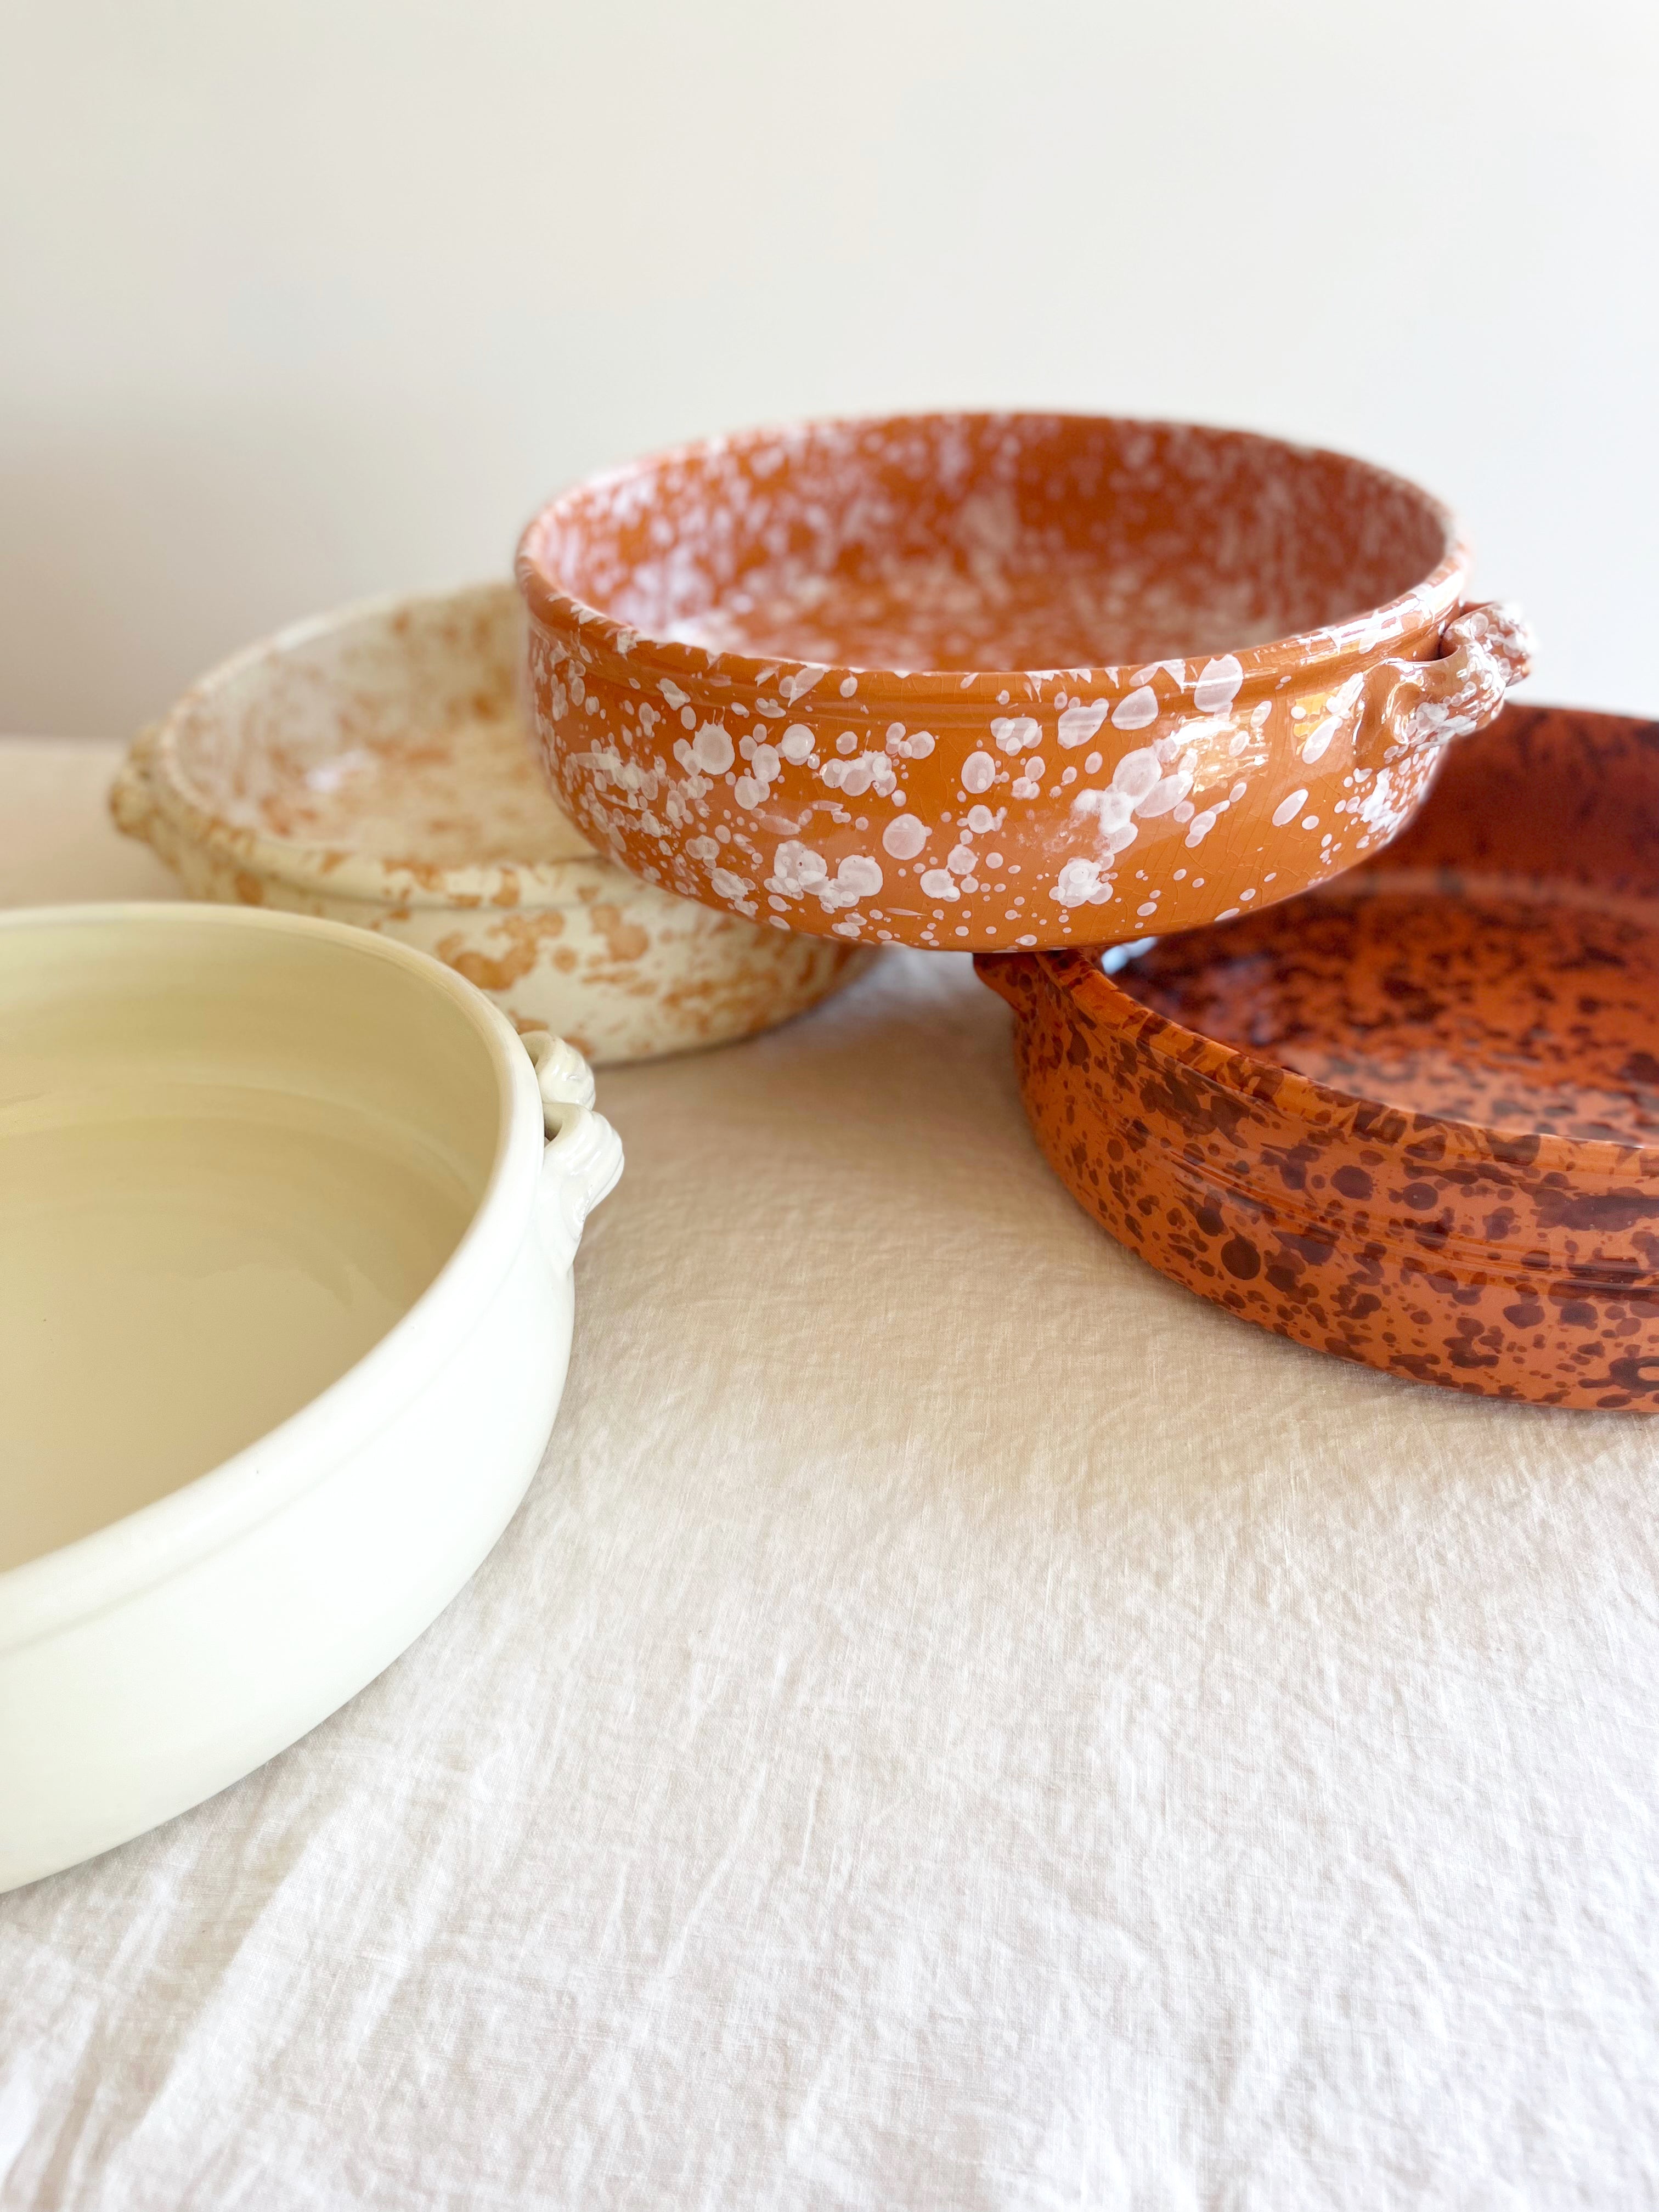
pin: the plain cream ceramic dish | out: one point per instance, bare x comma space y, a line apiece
372, 767
287, 1218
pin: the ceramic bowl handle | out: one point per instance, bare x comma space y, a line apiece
1484, 649
132, 796
584, 1155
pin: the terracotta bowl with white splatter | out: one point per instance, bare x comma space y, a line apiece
987, 681
372, 767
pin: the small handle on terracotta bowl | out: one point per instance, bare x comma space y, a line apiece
1484, 649
584, 1155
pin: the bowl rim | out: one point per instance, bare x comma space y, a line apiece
344, 871
116, 1561
1075, 972
1431, 599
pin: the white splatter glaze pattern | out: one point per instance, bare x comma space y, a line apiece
1281, 678
372, 767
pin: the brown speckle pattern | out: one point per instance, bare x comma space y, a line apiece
1411, 1119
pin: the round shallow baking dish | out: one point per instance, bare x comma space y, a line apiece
1413, 1118
285, 1305
372, 767
980, 681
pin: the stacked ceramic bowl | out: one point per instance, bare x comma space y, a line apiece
1369, 1065
984, 681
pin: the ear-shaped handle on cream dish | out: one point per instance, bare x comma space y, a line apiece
584, 1155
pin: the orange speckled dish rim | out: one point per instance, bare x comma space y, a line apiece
1435, 596
1077, 975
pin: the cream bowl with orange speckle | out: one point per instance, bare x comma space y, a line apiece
370, 766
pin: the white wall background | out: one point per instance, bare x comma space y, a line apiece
305, 299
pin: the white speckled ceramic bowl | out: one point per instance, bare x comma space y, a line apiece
285, 1305
371, 767
988, 682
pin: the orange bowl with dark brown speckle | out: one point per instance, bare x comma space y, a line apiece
1410, 1118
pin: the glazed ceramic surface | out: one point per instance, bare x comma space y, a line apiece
285, 1305
1413, 1118
975, 682
372, 767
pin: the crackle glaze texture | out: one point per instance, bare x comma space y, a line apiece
977, 682
373, 768
1411, 1119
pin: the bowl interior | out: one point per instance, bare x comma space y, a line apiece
394, 732
1498, 965
989, 542
231, 1157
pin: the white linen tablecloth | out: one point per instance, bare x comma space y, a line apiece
957, 1722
